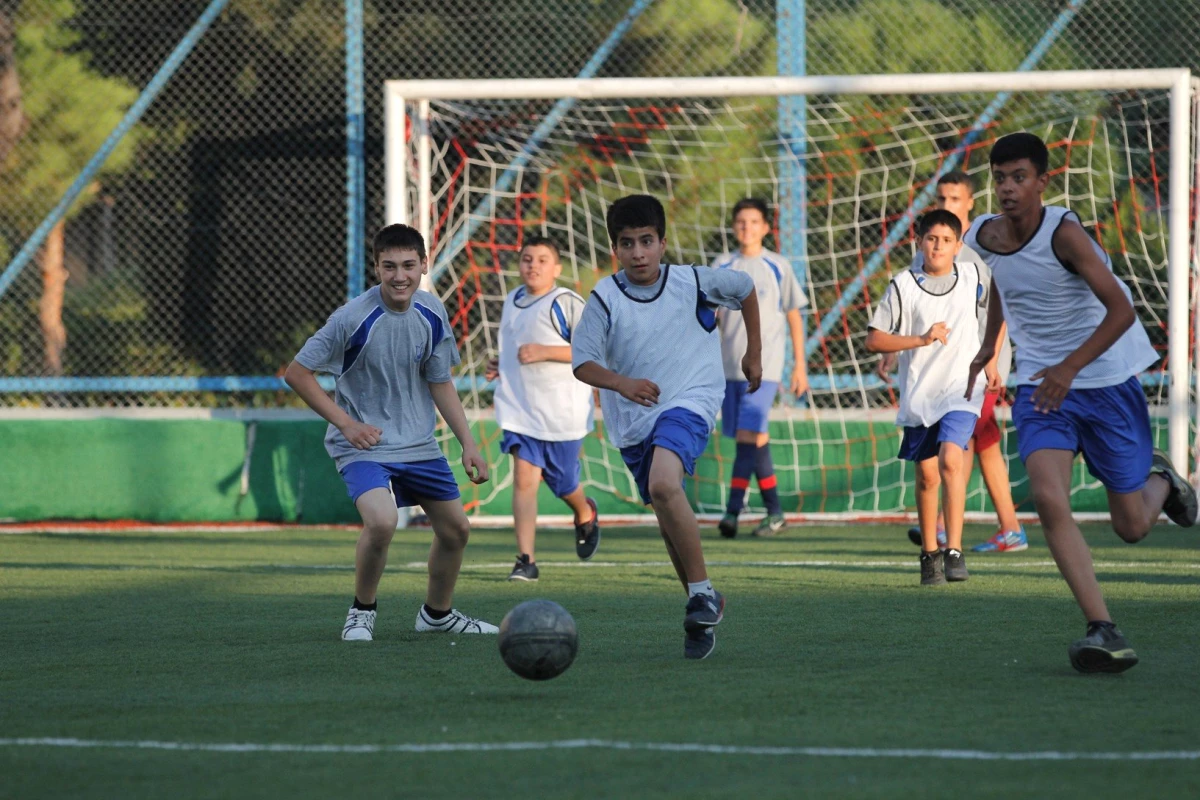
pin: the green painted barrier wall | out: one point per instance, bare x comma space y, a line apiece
166, 470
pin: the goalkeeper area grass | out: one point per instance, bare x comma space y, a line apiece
208, 664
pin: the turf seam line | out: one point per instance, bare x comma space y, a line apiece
602, 744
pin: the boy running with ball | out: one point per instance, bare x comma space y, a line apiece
648, 341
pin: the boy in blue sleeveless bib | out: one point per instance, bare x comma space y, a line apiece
1080, 347
647, 339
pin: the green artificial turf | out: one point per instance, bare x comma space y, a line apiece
225, 637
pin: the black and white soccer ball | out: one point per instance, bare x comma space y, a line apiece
538, 640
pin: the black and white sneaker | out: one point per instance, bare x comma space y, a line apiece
728, 526
1181, 506
524, 570
704, 613
360, 625
587, 536
933, 568
954, 566
454, 622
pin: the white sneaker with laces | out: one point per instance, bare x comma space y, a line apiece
454, 622
360, 626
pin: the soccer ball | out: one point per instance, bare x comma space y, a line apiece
538, 640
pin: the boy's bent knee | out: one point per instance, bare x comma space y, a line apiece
379, 531
453, 534
664, 491
1131, 531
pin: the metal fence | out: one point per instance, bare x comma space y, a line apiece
214, 238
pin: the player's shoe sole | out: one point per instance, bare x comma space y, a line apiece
699, 644
1090, 658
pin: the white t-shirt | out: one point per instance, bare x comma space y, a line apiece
665, 333
933, 378
1051, 311
541, 400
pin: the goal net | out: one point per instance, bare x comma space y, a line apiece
480, 175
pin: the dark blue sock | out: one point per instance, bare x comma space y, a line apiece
765, 469
743, 467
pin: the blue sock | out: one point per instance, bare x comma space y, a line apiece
743, 466
765, 469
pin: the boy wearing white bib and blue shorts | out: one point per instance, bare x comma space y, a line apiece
542, 411
1080, 347
648, 340
930, 316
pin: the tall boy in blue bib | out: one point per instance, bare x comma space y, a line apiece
648, 340
1080, 347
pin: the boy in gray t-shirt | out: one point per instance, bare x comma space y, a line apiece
745, 416
391, 351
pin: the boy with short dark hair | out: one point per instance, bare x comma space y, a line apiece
647, 339
745, 416
391, 350
543, 412
930, 317
1080, 347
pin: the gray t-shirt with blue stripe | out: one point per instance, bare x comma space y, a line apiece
778, 293
383, 362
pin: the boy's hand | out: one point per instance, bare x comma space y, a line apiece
799, 383
639, 390
492, 370
938, 333
752, 369
361, 435
1056, 382
475, 465
531, 353
978, 365
883, 369
994, 384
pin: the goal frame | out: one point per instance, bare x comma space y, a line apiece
398, 94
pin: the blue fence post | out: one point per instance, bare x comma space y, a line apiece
356, 184
791, 56
84, 179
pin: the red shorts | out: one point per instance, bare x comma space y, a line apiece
987, 432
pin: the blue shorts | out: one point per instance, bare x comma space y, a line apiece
1110, 426
683, 432
559, 461
744, 411
410, 483
921, 443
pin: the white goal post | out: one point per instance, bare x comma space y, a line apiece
411, 151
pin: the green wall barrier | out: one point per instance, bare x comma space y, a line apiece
172, 470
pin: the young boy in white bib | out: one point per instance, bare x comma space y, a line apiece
542, 411
930, 316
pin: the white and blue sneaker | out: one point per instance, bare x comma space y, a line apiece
360, 625
454, 622
1004, 542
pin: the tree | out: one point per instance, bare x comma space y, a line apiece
70, 110
12, 118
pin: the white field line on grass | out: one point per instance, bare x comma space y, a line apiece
602, 744
980, 564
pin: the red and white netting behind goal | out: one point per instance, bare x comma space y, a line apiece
864, 163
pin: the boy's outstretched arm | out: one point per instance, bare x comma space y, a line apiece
799, 381
304, 383
445, 397
883, 342
752, 360
1074, 247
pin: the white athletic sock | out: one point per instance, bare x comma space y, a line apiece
701, 587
